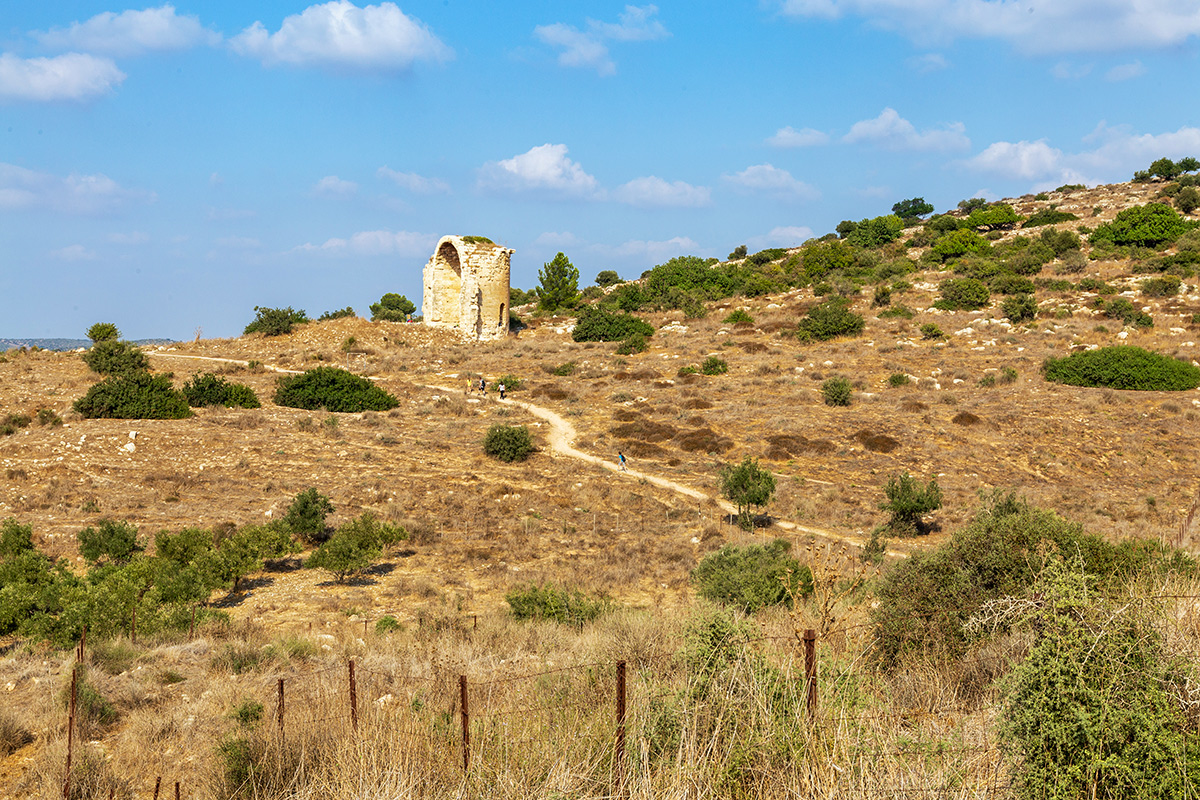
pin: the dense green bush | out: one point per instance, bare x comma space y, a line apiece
926, 600
1163, 286
306, 515
1047, 216
15, 539
392, 307
994, 217
912, 208
1020, 307
1007, 283
1150, 225
633, 343
275, 321
508, 442
12, 423
1122, 308
355, 546
332, 389
829, 320
1096, 285
1188, 199
876, 232
340, 313
747, 485
110, 542
959, 243
103, 332
115, 357
607, 277
966, 294
597, 324
836, 391
738, 315
138, 395
210, 390
753, 577
930, 330
714, 365
1123, 367
908, 500
550, 602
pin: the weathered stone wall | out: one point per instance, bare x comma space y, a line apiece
466, 286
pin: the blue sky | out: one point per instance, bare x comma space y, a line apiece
170, 167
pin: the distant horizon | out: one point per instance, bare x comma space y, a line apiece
169, 168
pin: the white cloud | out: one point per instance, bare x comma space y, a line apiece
587, 49
1067, 71
333, 186
769, 179
131, 33
374, 243
790, 137
929, 62
783, 236
657, 251
556, 240
1031, 26
544, 168
654, 191
340, 34
893, 132
1115, 155
1123, 72
71, 76
75, 252
418, 184
135, 237
22, 188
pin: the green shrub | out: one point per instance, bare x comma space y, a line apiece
738, 315
1145, 226
563, 370
115, 357
901, 311
965, 294
387, 624
911, 208
908, 500
714, 366
596, 324
1188, 199
211, 390
1163, 286
332, 389
392, 307
246, 713
752, 577
110, 542
340, 313
508, 442
511, 382
898, 379
306, 515
103, 332
994, 217
275, 321
836, 392
958, 243
354, 546
883, 297
1097, 286
1020, 307
138, 395
1123, 309
1008, 375
48, 417
15, 538
1005, 283
1047, 216
549, 602
1123, 367
633, 343
987, 381
930, 330
607, 277
829, 320
747, 485
738, 253
11, 423
876, 232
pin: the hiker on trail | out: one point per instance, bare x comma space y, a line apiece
621, 457
470, 383
501, 388
482, 386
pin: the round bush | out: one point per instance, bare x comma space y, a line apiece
836, 392
508, 442
275, 321
211, 390
138, 395
714, 366
966, 294
1145, 226
1020, 307
103, 331
115, 357
1123, 367
829, 320
332, 389
752, 577
601, 325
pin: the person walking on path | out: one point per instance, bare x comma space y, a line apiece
501, 388
482, 386
621, 458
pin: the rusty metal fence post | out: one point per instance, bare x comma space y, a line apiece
70, 730
281, 731
353, 698
157, 786
619, 752
465, 713
810, 670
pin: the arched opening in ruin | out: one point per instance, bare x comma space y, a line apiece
448, 273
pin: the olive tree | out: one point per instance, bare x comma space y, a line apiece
748, 486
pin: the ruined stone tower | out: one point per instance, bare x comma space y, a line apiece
466, 287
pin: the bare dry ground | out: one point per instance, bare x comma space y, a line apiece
1122, 463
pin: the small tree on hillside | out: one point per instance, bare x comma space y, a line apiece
748, 486
305, 517
559, 284
392, 307
607, 277
912, 208
908, 499
103, 331
111, 541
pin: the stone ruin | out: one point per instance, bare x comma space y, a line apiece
466, 284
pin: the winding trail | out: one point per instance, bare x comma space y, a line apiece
562, 438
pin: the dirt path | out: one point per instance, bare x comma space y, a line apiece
562, 438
